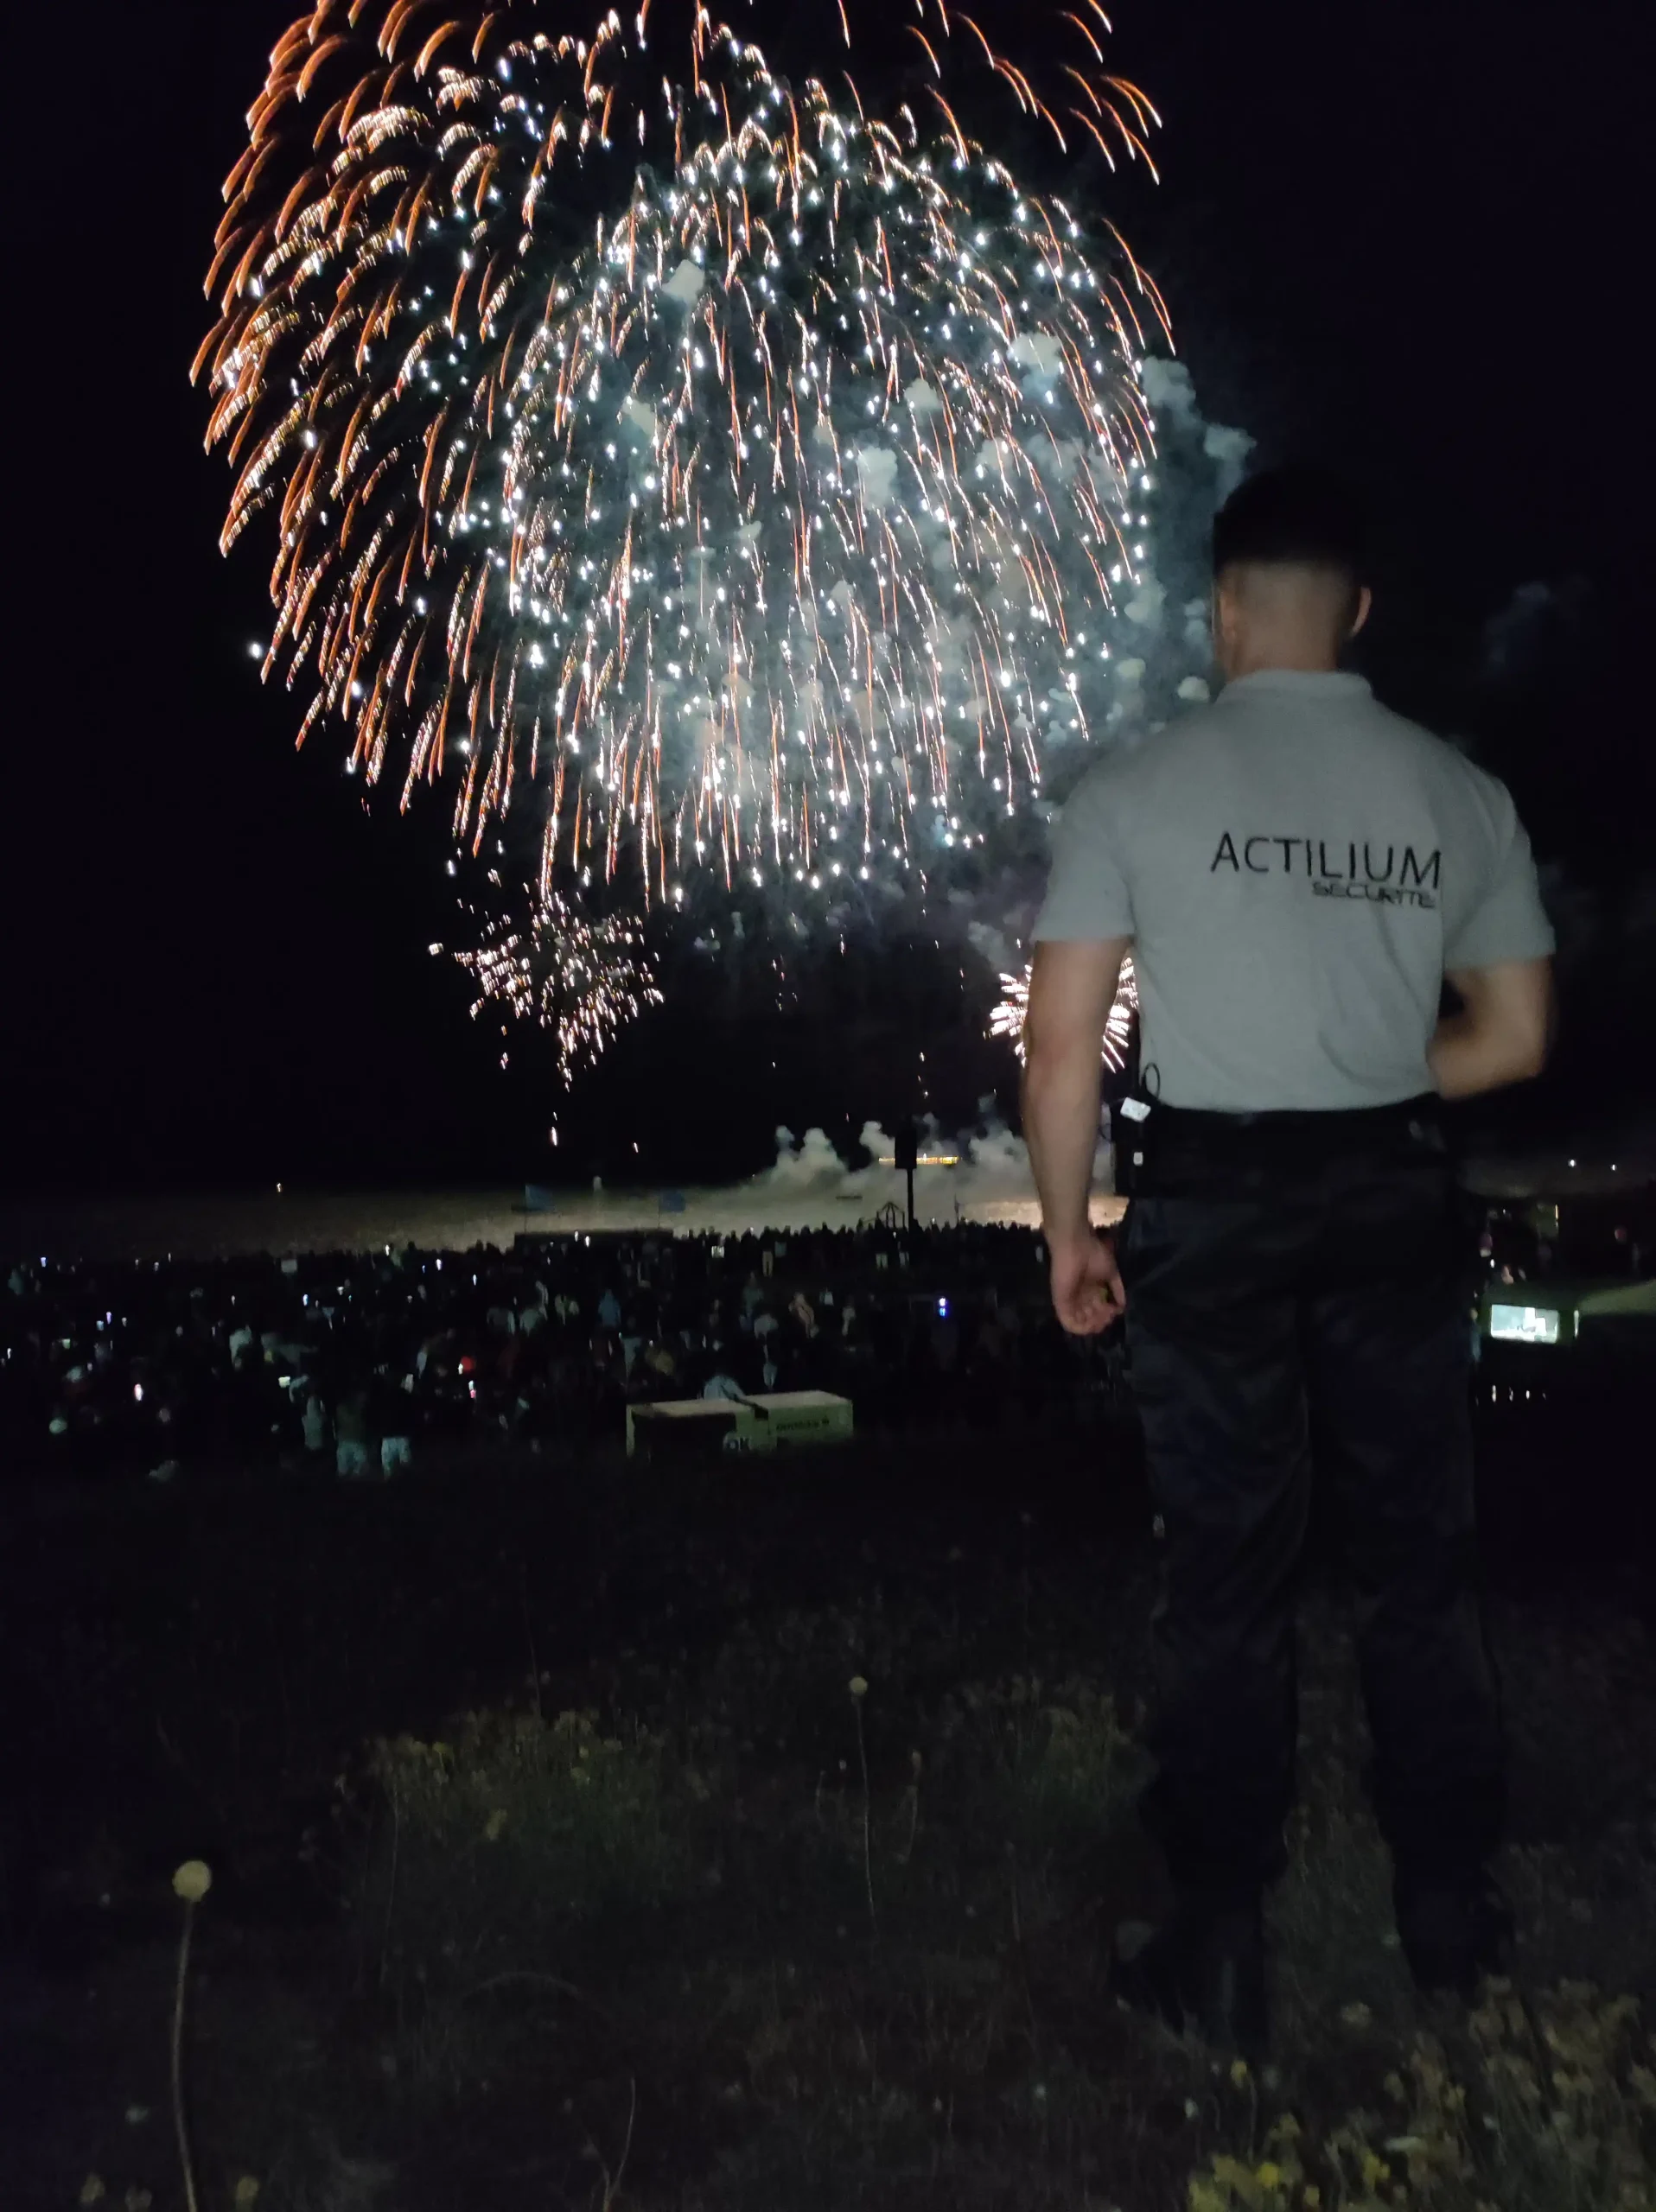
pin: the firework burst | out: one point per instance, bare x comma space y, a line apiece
1012, 1011
583, 982
703, 477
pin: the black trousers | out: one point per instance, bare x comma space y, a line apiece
1297, 1298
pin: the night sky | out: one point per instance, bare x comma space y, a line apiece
1403, 238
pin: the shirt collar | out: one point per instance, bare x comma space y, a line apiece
1303, 683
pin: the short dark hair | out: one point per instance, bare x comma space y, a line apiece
1296, 516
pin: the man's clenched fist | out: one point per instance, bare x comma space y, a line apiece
1087, 1294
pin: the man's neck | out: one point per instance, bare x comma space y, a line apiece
1287, 660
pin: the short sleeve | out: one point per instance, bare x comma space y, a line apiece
1088, 899
1508, 920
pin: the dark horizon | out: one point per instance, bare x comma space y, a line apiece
1402, 251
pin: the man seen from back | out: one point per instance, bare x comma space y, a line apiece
1297, 871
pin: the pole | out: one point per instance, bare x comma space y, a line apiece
907, 1150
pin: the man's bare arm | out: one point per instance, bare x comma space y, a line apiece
1501, 1032
1071, 989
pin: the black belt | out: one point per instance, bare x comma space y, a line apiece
1173, 1141
1351, 1125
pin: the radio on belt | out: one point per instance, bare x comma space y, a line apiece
1130, 1163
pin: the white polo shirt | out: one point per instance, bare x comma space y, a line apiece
1297, 868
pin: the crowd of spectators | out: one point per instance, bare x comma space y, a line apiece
362, 1363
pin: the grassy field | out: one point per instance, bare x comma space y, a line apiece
753, 1840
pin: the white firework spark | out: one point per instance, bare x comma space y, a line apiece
1010, 1014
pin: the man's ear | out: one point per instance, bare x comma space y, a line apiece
1221, 618
1365, 608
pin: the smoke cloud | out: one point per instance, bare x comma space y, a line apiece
981, 1175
